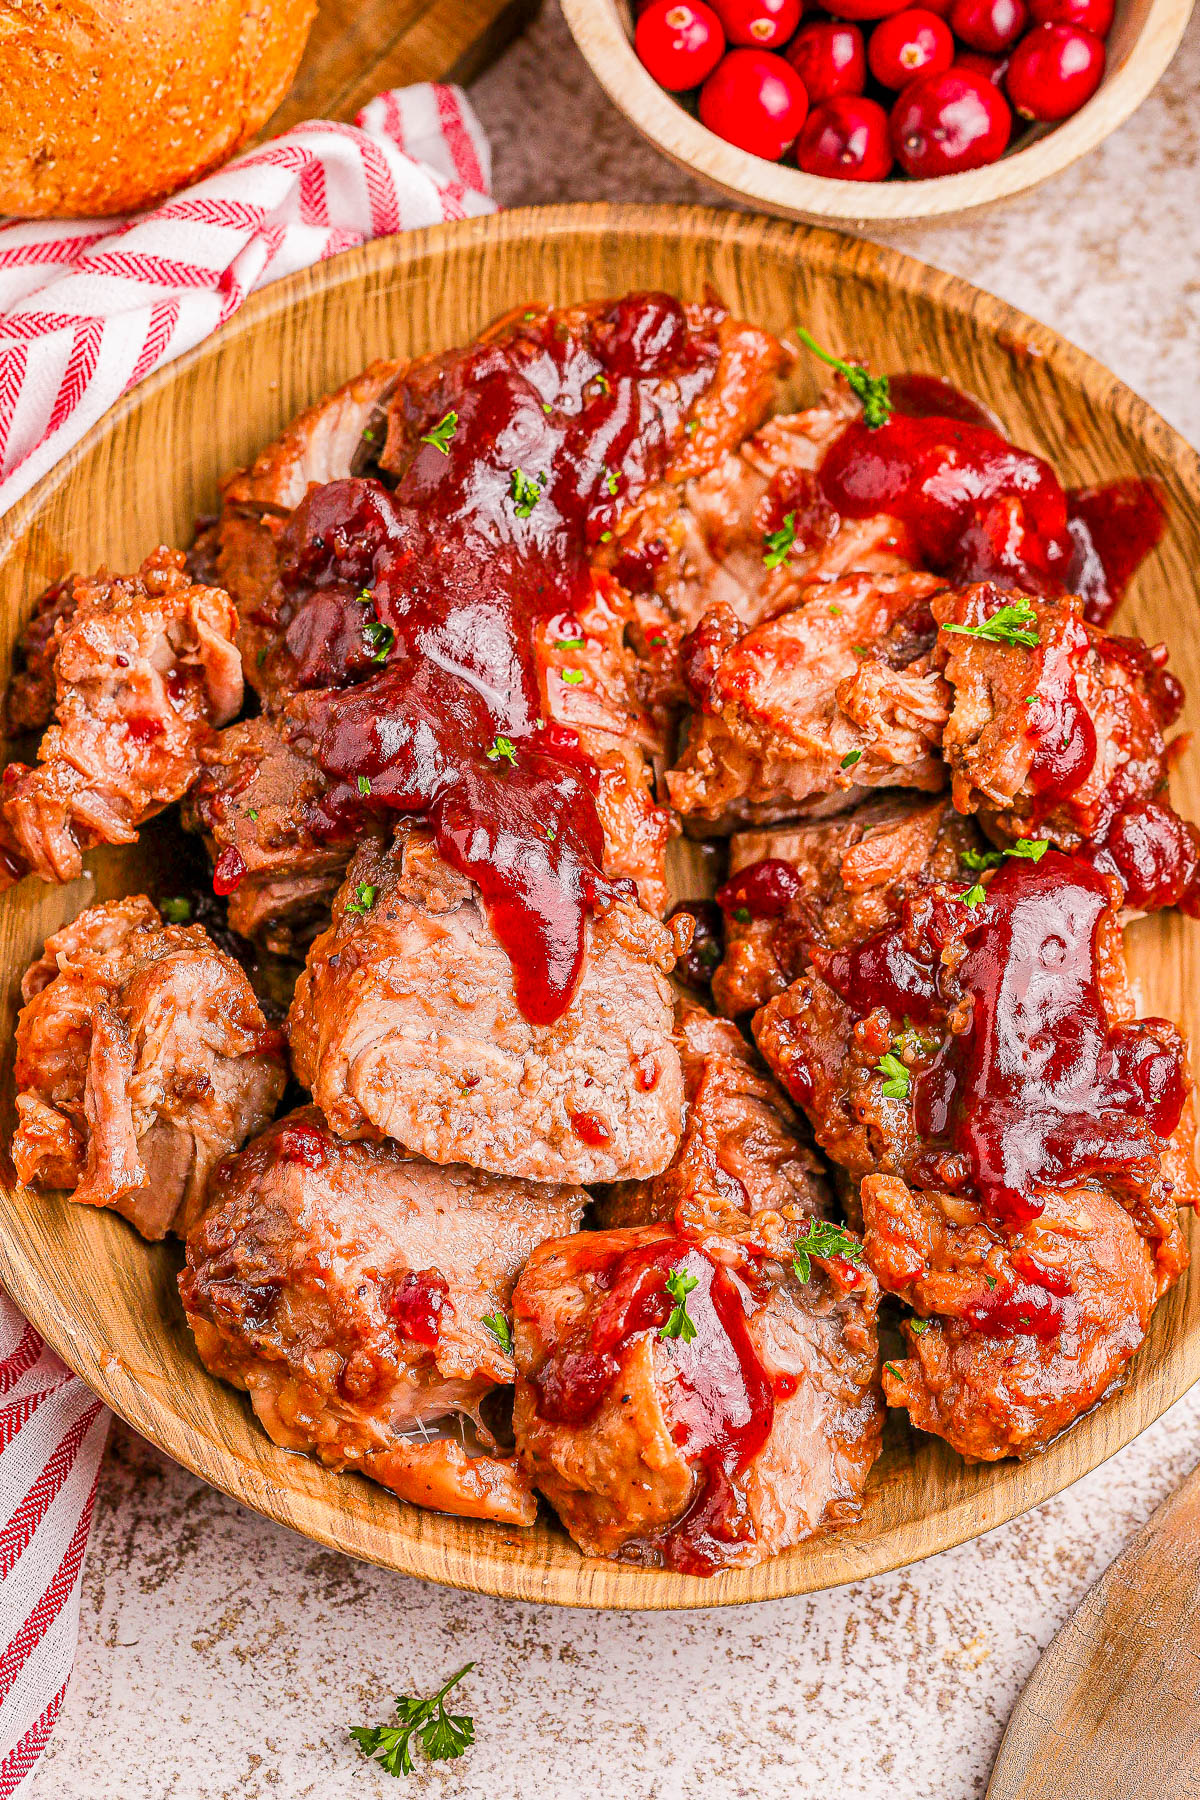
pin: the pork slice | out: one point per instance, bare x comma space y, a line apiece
405, 1024
707, 1448
744, 1163
346, 1287
814, 708
143, 1057
145, 668
828, 882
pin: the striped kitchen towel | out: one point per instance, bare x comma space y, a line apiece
87, 309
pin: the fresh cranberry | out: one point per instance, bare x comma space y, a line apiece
756, 101
1090, 15
943, 124
1054, 71
680, 42
989, 25
830, 58
910, 43
761, 24
846, 138
992, 68
863, 9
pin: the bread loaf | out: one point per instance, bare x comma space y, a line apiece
109, 105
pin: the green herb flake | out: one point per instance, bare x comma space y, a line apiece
529, 315
364, 784
363, 901
572, 677
1031, 699
261, 658
443, 432
503, 747
606, 537
872, 390
365, 596
850, 758
991, 1281
525, 492
369, 435
253, 813
692, 427
742, 914
1032, 848
551, 833
981, 859
835, 612
679, 1285
859, 650
380, 639
658, 640
610, 480
974, 895
895, 1086
177, 911
894, 1371
546, 407
568, 643
443, 1736
501, 1330
778, 545
1014, 623
918, 1327
822, 1238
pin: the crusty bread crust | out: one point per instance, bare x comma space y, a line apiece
109, 105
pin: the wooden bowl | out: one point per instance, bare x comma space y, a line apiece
1143, 39
105, 1300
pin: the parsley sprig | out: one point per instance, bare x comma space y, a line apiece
778, 545
443, 1736
363, 901
1033, 849
895, 1086
821, 1238
501, 1330
176, 911
380, 639
526, 492
679, 1285
503, 747
1014, 623
872, 390
442, 434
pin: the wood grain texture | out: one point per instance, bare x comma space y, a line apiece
1112, 1711
1144, 37
107, 1302
359, 47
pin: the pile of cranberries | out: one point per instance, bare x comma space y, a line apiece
864, 87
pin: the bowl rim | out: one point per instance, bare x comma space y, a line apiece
487, 1565
607, 49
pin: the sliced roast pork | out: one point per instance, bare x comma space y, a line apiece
362, 1297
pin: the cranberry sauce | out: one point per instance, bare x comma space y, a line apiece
721, 1403
762, 890
1041, 1091
1059, 725
1112, 530
417, 1303
980, 509
429, 599
1154, 854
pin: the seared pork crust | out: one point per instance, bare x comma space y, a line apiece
406, 1025
145, 667
143, 1057
345, 1288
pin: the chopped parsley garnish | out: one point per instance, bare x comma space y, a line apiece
893, 1370
177, 911
974, 895
991, 1281
778, 545
823, 1239
895, 1086
606, 537
546, 407
918, 1327
380, 639
572, 677
363, 901
364, 784
610, 480
981, 859
502, 747
551, 833
443, 433
850, 758
369, 435
679, 1285
872, 390
526, 492
658, 640
252, 813
1031, 699
365, 596
529, 315
569, 643
1015, 623
835, 612
742, 914
261, 658
859, 650
443, 1736
692, 427
501, 1330
1033, 849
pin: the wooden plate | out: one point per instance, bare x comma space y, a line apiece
104, 1299
1143, 39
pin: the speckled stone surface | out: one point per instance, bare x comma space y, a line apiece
221, 1656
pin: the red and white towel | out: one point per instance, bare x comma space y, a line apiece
87, 309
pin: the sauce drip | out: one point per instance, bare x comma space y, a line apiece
418, 1300
1112, 530
1039, 1091
429, 598
721, 1403
762, 890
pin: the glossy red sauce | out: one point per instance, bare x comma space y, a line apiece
720, 1405
144, 728
590, 1130
1059, 725
1039, 1091
229, 870
1154, 854
417, 1304
301, 1143
459, 572
1112, 530
763, 890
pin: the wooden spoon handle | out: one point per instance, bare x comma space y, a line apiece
1112, 1711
